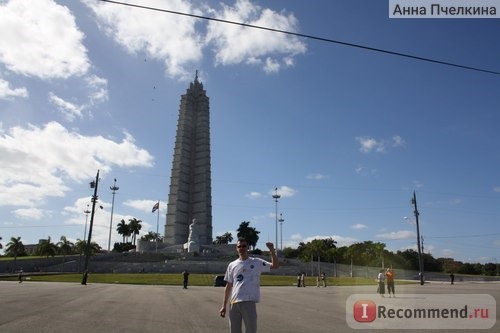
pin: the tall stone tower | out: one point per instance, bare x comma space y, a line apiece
190, 195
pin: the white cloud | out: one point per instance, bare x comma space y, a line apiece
69, 110
37, 161
284, 191
98, 92
237, 44
359, 226
316, 176
98, 89
145, 205
394, 235
40, 38
398, 141
253, 195
369, 144
271, 66
175, 40
29, 213
7, 92
496, 189
167, 37
365, 171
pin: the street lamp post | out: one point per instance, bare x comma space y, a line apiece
281, 220
87, 212
276, 196
94, 185
420, 261
113, 188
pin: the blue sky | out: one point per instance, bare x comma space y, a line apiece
346, 134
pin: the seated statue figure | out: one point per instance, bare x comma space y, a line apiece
193, 243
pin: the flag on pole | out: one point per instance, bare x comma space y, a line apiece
155, 207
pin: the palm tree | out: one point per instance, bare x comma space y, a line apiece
135, 226
151, 237
46, 248
249, 233
81, 245
123, 229
15, 248
65, 247
224, 239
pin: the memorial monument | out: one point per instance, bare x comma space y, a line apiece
190, 194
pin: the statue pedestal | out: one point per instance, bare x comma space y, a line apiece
191, 247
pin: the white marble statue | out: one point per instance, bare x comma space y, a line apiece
193, 243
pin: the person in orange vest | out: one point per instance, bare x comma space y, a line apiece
389, 274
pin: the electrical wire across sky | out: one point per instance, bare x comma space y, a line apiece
322, 39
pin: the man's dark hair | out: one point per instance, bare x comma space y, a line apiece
242, 239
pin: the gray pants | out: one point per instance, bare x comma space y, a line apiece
246, 312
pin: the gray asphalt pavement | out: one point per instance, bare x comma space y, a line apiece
67, 307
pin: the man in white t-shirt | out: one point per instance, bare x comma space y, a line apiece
243, 287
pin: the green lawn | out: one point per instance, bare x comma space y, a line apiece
194, 279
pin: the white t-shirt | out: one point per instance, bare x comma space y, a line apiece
245, 277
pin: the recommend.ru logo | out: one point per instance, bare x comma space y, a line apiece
421, 311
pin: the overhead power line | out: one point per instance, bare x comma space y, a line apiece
323, 39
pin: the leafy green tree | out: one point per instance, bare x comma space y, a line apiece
65, 247
490, 269
46, 248
123, 229
15, 248
317, 248
366, 253
135, 227
290, 253
249, 233
81, 245
224, 239
151, 237
1, 246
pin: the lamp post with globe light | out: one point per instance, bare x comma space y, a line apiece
87, 212
113, 188
276, 196
281, 220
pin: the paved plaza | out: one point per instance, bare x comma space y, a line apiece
68, 307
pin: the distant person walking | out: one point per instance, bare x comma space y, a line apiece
389, 275
381, 283
185, 276
303, 279
323, 278
243, 287
452, 278
20, 275
299, 279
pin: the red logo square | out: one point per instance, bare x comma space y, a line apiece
364, 311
